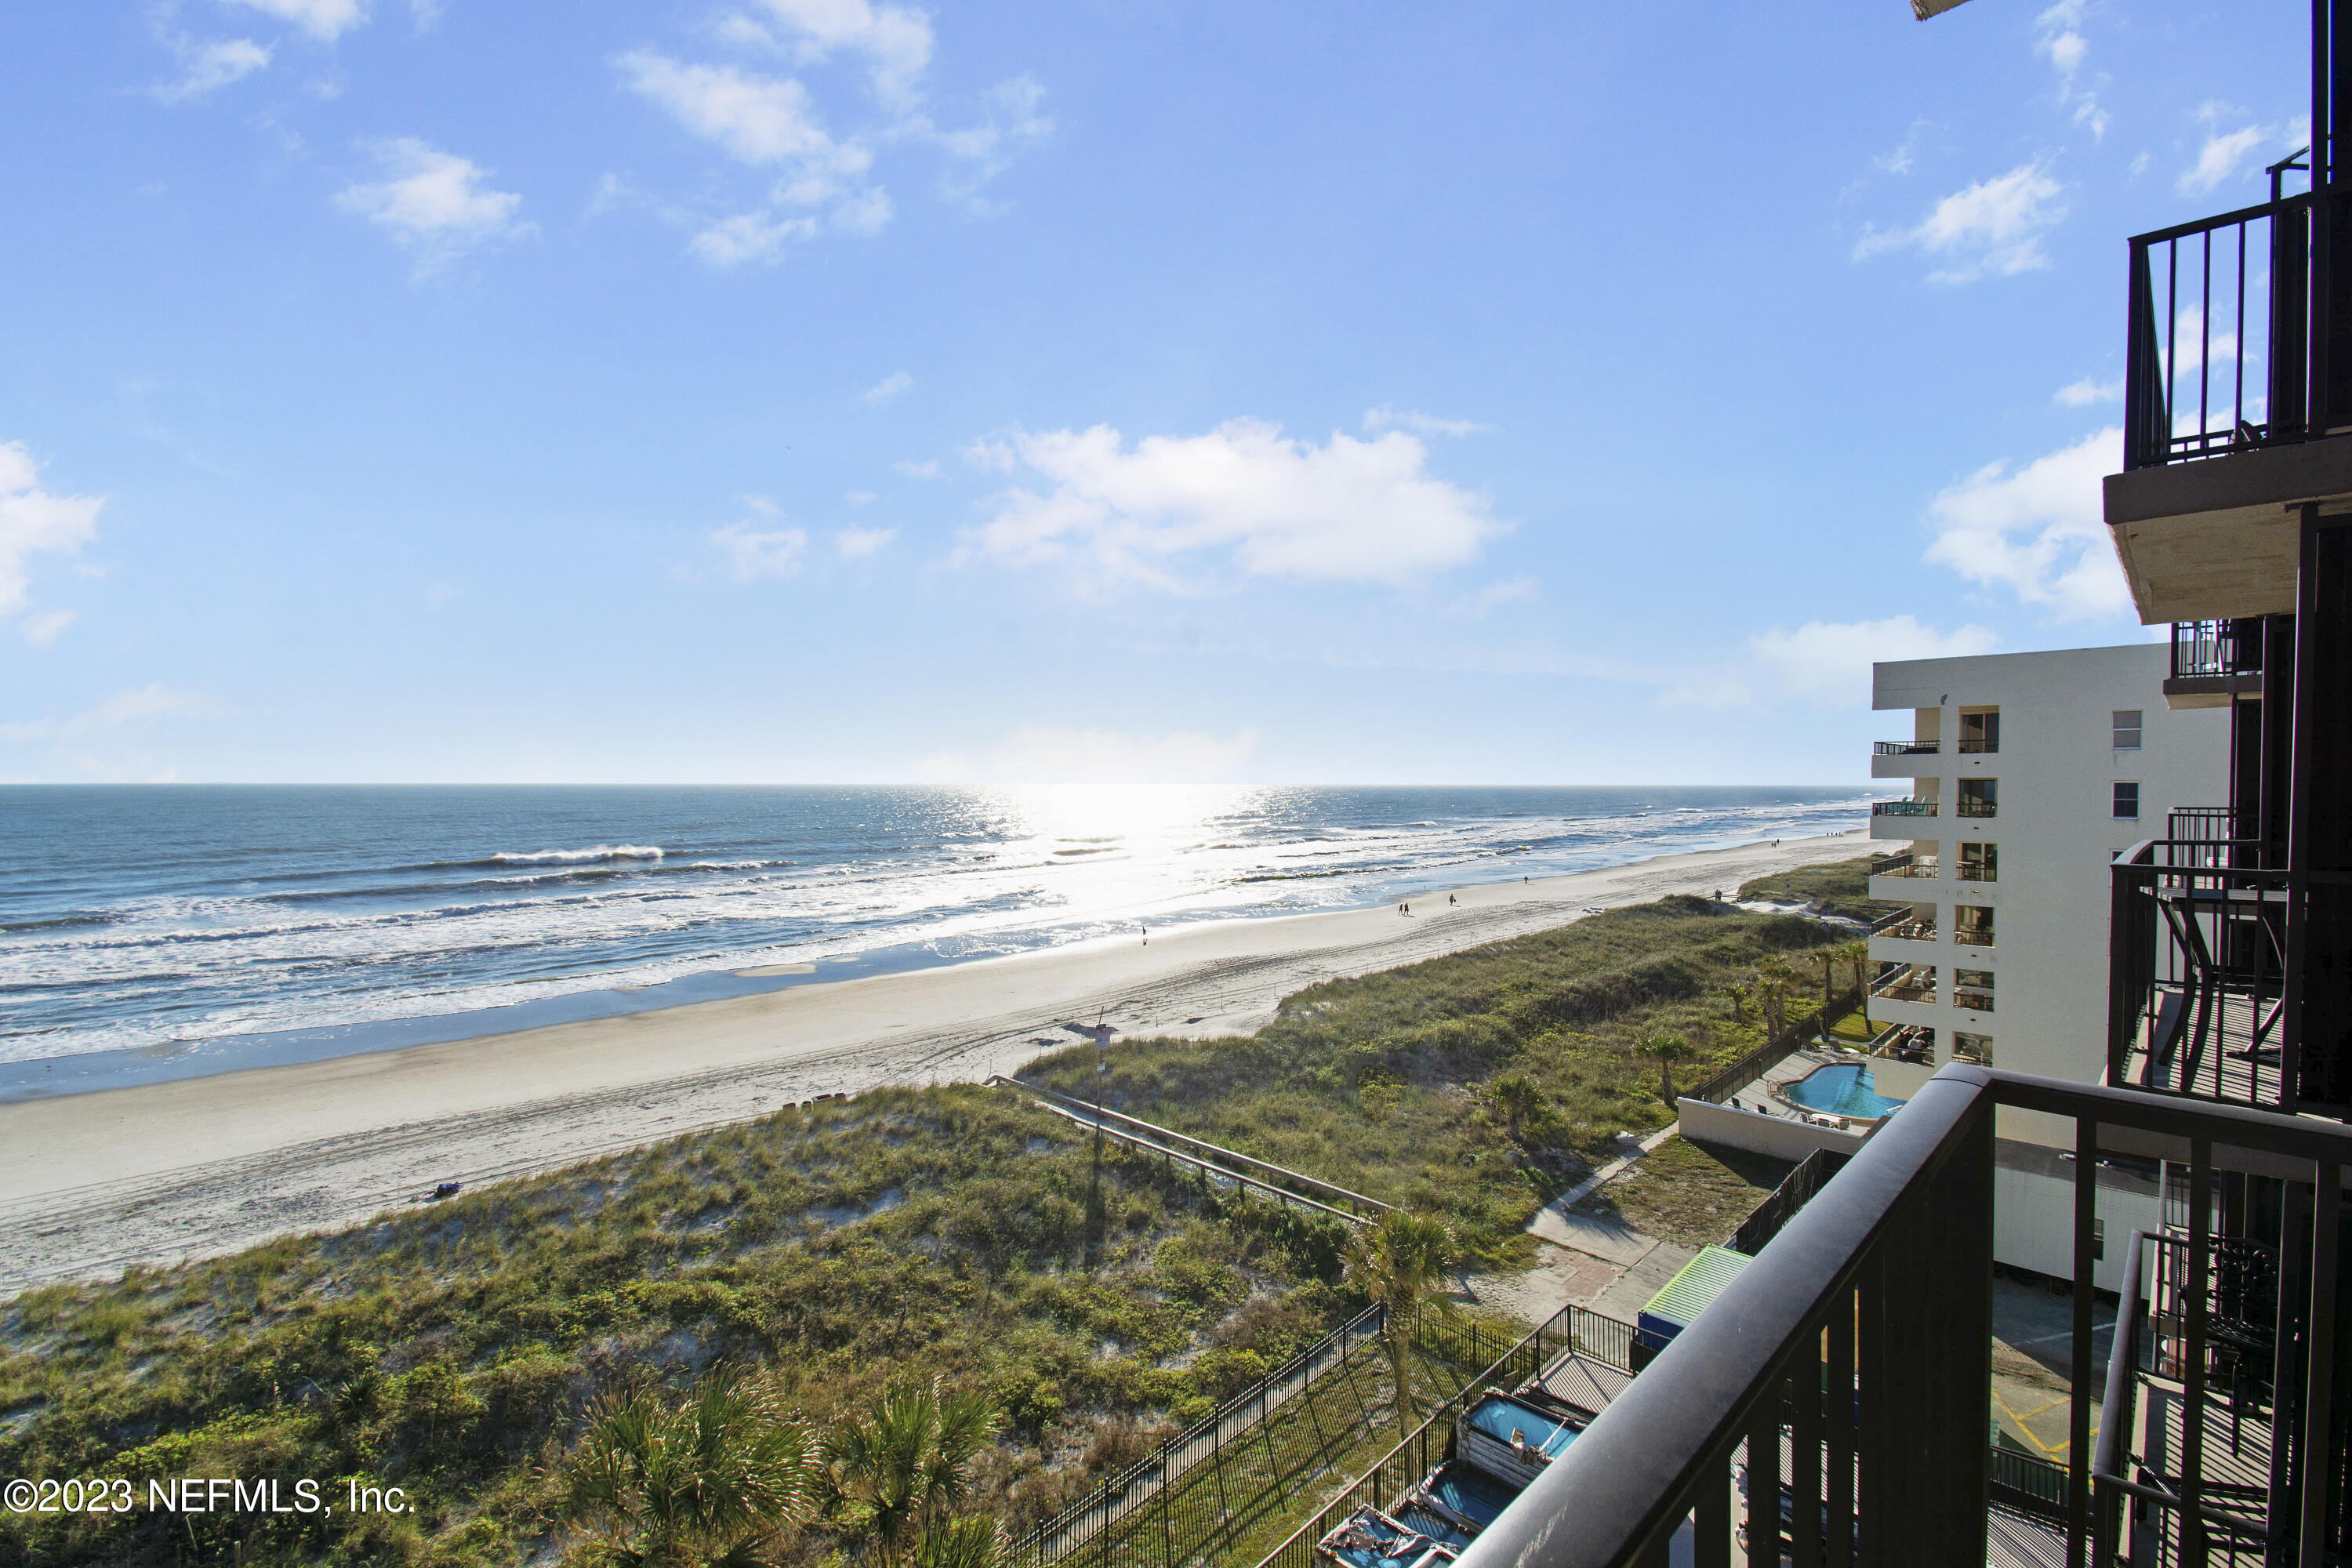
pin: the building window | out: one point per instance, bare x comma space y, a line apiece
1980, 732
1975, 1049
1978, 797
2126, 802
1979, 862
2128, 728
1972, 925
1972, 988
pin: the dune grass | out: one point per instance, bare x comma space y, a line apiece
452, 1350
1387, 1083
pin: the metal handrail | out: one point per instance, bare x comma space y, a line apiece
1885, 1271
2176, 275
1906, 748
1086, 1110
1902, 808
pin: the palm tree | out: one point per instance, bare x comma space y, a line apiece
901, 1468
712, 1481
1398, 1263
1772, 977
1666, 1049
966, 1540
1856, 955
1519, 1099
1738, 993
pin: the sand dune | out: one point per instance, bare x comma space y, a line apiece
92, 1183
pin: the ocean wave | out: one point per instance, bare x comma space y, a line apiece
571, 857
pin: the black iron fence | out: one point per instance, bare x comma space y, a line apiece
1797, 1189
1404, 1465
1906, 748
1776, 1049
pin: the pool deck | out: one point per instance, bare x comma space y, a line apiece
1764, 1094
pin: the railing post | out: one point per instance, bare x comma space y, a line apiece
2078, 1427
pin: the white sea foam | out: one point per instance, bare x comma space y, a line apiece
568, 856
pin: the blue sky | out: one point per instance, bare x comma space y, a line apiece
831, 390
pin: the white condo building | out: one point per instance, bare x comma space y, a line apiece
2029, 772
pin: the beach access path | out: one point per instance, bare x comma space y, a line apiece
92, 1184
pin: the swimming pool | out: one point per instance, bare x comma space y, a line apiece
1841, 1088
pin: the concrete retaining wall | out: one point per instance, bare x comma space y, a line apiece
1760, 1135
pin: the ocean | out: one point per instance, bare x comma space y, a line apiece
162, 932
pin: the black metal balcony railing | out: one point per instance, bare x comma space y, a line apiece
2193, 386
1974, 1001
1910, 983
1976, 871
1905, 748
1978, 746
1837, 1394
1905, 866
1977, 808
1972, 936
2197, 974
1906, 928
1902, 808
2201, 649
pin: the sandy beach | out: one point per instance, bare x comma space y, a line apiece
92, 1184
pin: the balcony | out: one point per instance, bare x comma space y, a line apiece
2214, 662
1968, 807
2234, 400
1978, 871
2197, 977
1906, 748
1914, 983
1901, 926
1902, 808
1834, 1400
1972, 936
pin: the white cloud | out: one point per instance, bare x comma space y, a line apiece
896, 42
2038, 531
2226, 153
755, 552
1829, 661
857, 544
155, 701
2087, 390
1013, 116
206, 67
43, 631
928, 469
883, 390
35, 523
1511, 591
327, 19
2059, 36
1349, 511
750, 236
434, 201
1387, 418
1994, 226
758, 120
1899, 162
767, 122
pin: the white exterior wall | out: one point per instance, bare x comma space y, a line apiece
2055, 829
2056, 832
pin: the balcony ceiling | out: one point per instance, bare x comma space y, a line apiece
2219, 537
